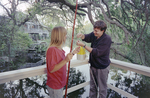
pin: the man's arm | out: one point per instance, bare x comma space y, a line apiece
86, 37
89, 49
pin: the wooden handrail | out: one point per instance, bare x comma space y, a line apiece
31, 72
39, 70
140, 69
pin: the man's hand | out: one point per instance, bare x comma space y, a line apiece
80, 35
79, 43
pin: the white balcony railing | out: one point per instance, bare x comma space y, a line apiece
34, 71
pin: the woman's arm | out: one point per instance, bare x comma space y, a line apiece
67, 59
62, 63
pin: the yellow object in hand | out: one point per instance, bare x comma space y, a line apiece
82, 51
81, 55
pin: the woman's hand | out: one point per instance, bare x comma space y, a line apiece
77, 49
69, 57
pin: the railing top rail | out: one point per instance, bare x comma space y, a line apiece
140, 69
31, 72
39, 70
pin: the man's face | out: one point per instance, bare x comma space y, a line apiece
98, 33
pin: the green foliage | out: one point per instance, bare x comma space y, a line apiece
22, 41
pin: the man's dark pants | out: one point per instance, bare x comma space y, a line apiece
100, 76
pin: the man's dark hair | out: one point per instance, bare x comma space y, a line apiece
100, 25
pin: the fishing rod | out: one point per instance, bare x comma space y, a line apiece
71, 48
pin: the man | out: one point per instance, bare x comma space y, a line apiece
99, 58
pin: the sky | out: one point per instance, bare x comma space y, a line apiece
21, 7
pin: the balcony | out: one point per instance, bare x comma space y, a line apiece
40, 70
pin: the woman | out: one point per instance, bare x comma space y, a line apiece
56, 62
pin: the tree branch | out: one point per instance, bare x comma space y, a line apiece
72, 7
90, 15
124, 56
6, 10
114, 22
146, 16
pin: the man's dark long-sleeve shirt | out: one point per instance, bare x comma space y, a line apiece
99, 56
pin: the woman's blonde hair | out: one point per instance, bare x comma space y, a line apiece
57, 36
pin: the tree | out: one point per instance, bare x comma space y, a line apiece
12, 38
9, 26
130, 18
20, 43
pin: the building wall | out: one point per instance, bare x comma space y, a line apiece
35, 31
